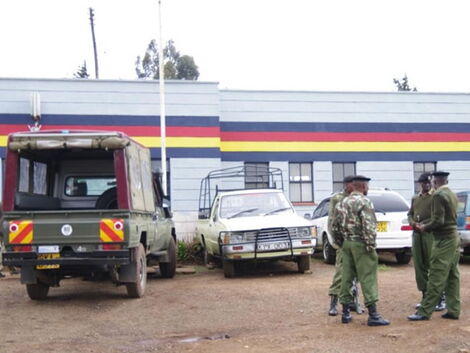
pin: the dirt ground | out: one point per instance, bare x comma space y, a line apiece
273, 309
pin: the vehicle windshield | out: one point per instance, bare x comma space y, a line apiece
254, 204
388, 202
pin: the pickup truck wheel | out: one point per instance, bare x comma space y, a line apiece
329, 253
229, 268
403, 258
137, 289
303, 263
168, 269
37, 291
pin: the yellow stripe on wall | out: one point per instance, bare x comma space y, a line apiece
185, 142
282, 146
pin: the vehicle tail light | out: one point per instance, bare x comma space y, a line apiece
238, 247
22, 248
467, 223
111, 246
306, 242
406, 227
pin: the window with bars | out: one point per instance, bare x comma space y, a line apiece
256, 175
340, 170
420, 168
300, 182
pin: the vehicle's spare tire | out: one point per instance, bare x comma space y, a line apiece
107, 200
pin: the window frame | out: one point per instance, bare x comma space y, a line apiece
301, 182
258, 166
337, 184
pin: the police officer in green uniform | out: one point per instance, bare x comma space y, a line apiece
420, 212
443, 271
335, 287
356, 219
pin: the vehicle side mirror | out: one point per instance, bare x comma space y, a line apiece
307, 216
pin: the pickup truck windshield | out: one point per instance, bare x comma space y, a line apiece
253, 204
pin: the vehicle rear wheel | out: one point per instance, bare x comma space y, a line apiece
303, 263
137, 289
329, 253
168, 269
403, 258
229, 268
37, 291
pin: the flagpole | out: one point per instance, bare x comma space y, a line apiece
162, 103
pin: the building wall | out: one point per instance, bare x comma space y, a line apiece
208, 128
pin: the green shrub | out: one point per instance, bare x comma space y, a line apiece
189, 252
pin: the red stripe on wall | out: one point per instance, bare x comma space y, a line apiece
172, 131
344, 136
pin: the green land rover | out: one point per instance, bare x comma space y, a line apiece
86, 204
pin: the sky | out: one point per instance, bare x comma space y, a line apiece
314, 45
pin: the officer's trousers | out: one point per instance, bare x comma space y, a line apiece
443, 276
336, 284
357, 261
421, 250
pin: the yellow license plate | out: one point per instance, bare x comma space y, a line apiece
48, 257
381, 226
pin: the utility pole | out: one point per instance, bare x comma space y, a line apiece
162, 103
94, 42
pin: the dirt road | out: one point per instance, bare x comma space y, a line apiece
273, 310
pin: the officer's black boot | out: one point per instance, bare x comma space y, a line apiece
374, 317
333, 302
346, 317
442, 303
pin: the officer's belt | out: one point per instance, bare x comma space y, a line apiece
354, 238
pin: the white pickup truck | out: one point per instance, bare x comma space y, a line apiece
252, 225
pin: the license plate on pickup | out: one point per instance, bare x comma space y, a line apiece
48, 257
273, 246
381, 227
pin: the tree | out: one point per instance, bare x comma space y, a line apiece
176, 67
82, 71
403, 86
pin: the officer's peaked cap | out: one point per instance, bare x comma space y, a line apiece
440, 174
425, 177
348, 178
360, 178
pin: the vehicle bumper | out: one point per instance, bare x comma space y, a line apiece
464, 238
109, 257
397, 240
246, 251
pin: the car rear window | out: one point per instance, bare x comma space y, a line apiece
388, 202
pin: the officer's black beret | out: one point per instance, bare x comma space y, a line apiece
424, 177
360, 178
348, 179
440, 174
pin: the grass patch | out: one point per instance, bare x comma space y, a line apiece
383, 267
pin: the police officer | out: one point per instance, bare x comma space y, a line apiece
443, 271
420, 212
357, 216
335, 287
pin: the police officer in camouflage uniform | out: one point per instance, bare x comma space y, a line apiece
335, 287
443, 271
356, 218
420, 212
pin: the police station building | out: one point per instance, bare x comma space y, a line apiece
315, 138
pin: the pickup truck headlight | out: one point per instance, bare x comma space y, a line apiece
307, 232
232, 237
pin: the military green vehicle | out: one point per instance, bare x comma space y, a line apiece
86, 204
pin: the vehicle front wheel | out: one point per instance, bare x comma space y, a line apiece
229, 268
168, 269
303, 263
137, 289
37, 291
329, 253
403, 258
